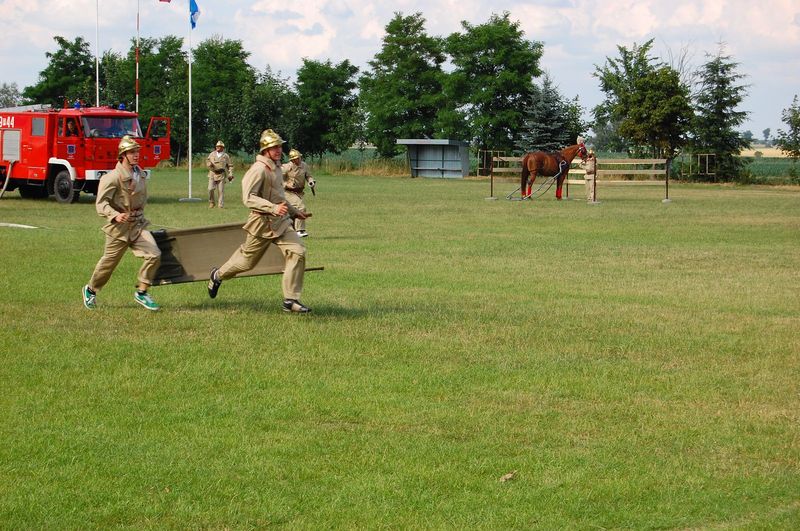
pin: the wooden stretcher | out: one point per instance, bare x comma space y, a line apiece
187, 255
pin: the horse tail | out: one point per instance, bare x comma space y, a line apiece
525, 174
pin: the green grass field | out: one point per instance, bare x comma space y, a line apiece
634, 364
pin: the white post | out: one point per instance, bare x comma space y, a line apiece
97, 54
190, 110
189, 158
138, 3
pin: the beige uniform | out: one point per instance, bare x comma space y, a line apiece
262, 192
591, 169
295, 177
219, 168
118, 193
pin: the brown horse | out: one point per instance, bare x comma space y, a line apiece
549, 165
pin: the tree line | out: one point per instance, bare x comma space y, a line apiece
493, 94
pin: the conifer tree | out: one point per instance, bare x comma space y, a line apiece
717, 99
545, 120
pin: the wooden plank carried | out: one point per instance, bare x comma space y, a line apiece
187, 255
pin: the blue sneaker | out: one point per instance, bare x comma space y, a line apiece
145, 300
89, 298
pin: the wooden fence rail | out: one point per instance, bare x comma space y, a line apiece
628, 169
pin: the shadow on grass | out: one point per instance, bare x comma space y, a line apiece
271, 306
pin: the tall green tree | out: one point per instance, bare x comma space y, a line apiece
660, 114
494, 66
270, 104
164, 87
70, 74
9, 95
788, 140
327, 99
401, 94
618, 78
718, 96
220, 71
551, 121
117, 78
163, 84
646, 102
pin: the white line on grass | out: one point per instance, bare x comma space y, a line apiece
17, 226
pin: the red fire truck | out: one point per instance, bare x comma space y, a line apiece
64, 152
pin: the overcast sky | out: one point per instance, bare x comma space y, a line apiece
763, 36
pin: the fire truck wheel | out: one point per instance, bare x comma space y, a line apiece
62, 187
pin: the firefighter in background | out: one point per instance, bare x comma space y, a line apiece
591, 171
121, 197
220, 167
269, 223
295, 176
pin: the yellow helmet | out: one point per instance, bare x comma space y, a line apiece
127, 144
219, 143
294, 154
270, 138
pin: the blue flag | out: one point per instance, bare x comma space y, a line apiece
194, 13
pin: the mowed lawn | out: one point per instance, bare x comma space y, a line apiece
630, 364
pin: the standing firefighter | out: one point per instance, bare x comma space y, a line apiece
295, 176
591, 171
269, 222
121, 197
219, 168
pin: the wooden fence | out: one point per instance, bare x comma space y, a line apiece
609, 171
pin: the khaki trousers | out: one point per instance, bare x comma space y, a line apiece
144, 247
296, 200
216, 185
589, 188
250, 252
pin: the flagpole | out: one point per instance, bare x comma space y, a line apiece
189, 158
190, 110
138, 4
97, 54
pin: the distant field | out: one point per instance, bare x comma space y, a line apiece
769, 152
627, 365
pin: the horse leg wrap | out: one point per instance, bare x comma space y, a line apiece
559, 182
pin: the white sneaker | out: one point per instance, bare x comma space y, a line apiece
302, 233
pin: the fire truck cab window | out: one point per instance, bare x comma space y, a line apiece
112, 127
70, 128
37, 127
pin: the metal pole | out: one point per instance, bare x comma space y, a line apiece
138, 3
190, 111
189, 158
97, 54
